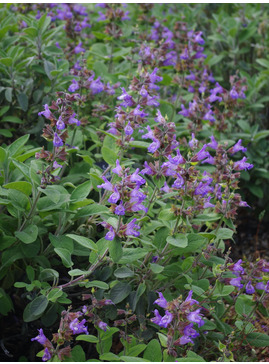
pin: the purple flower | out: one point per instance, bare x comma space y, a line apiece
110, 235
74, 86
242, 165
57, 141
185, 54
147, 169
151, 101
137, 112
115, 196
237, 147
148, 135
56, 165
154, 77
193, 143
117, 169
236, 282
249, 288
191, 77
127, 99
162, 321
157, 319
41, 338
102, 16
107, 185
202, 154
136, 178
73, 120
120, 210
47, 355
154, 259
165, 188
190, 300
130, 229
78, 327
97, 86
189, 334
143, 92
195, 316
46, 113
237, 267
198, 38
102, 325
179, 182
79, 49
128, 129
161, 301
209, 116
60, 124
154, 146
260, 285
213, 144
233, 93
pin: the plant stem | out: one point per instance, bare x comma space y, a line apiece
31, 211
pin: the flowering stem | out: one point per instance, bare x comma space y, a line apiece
31, 211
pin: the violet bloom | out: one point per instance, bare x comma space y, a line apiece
195, 316
74, 120
154, 77
237, 147
102, 325
110, 235
79, 49
102, 16
237, 267
202, 154
141, 113
128, 129
161, 301
209, 116
127, 99
213, 144
198, 38
107, 185
242, 165
60, 124
185, 54
236, 282
46, 112
189, 334
155, 259
157, 319
120, 210
147, 169
166, 319
190, 300
97, 86
260, 285
193, 143
78, 327
41, 338
249, 288
56, 165
47, 355
114, 198
179, 182
154, 146
159, 118
149, 134
57, 141
191, 77
151, 101
130, 229
136, 178
165, 188
74, 86
117, 169
233, 93
143, 92
184, 112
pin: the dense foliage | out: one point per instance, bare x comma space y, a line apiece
125, 130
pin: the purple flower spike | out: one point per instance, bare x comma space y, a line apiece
78, 327
249, 288
57, 141
110, 235
161, 301
118, 168
47, 355
41, 338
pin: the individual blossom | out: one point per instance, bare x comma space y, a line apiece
47, 355
96, 86
79, 48
74, 120
110, 235
47, 113
57, 141
234, 93
137, 179
237, 147
189, 334
41, 338
249, 288
242, 165
107, 185
195, 316
78, 327
131, 229
202, 154
161, 301
162, 321
56, 165
74, 86
60, 124
120, 210
115, 196
236, 282
102, 325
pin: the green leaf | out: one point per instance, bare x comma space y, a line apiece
8, 94
138, 144
224, 233
93, 209
109, 155
12, 119
97, 284
244, 305
54, 294
257, 339
4, 109
23, 101
109, 357
30, 273
6, 61
82, 240
65, 255
215, 60
16, 147
156, 268
119, 292
140, 290
180, 240
123, 272
6, 133
31, 31
136, 350
81, 192
35, 309
6, 304
132, 358
28, 235
87, 338
131, 255
48, 67
115, 250
263, 62
153, 351
163, 339
24, 187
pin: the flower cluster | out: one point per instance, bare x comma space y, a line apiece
180, 319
